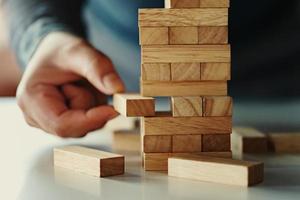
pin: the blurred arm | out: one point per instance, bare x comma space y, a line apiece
31, 20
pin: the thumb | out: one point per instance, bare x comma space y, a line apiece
96, 68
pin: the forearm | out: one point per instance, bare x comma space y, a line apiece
31, 20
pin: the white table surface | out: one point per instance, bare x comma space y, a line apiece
27, 172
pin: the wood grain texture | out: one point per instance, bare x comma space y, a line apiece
159, 161
168, 125
197, 4
186, 54
213, 35
183, 17
217, 106
215, 71
89, 161
182, 3
134, 105
184, 35
248, 140
185, 71
184, 88
157, 144
187, 143
214, 3
186, 106
156, 72
284, 142
154, 35
217, 170
216, 143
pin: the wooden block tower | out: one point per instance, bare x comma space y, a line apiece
186, 57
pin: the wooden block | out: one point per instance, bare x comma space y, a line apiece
159, 161
248, 140
284, 142
156, 72
126, 141
184, 35
214, 3
185, 71
168, 125
215, 71
216, 143
186, 106
217, 106
187, 88
134, 105
213, 35
186, 53
154, 35
157, 144
217, 170
183, 17
187, 143
196, 3
89, 161
182, 3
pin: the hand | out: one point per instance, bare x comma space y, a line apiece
63, 88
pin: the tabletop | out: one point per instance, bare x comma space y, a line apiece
27, 171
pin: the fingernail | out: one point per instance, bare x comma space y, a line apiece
116, 114
113, 83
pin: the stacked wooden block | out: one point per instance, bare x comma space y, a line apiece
186, 56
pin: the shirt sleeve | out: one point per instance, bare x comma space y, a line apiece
31, 20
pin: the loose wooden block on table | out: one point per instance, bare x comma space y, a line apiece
217, 106
186, 54
187, 143
213, 35
216, 143
248, 140
184, 88
154, 35
134, 105
157, 144
186, 106
168, 125
185, 71
183, 17
284, 142
159, 161
215, 71
197, 4
184, 35
217, 170
156, 72
89, 161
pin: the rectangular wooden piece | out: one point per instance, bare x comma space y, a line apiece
184, 88
183, 17
186, 106
168, 125
186, 54
134, 105
217, 170
89, 161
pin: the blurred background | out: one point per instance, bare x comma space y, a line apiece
10, 73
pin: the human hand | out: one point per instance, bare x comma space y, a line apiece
64, 86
